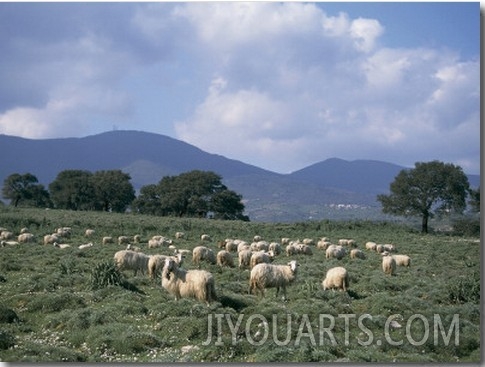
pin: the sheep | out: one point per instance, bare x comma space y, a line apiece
259, 246
200, 253
389, 247
131, 260
84, 246
89, 232
156, 263
64, 232
371, 246
308, 241
243, 246
107, 239
61, 245
26, 238
292, 249
6, 235
205, 237
285, 241
336, 277
305, 249
244, 257
198, 284
380, 249
402, 260
257, 238
357, 254
179, 235
8, 243
388, 264
49, 239
24, 230
260, 257
133, 248
158, 241
230, 246
123, 240
136, 238
275, 247
335, 251
323, 244
272, 276
224, 258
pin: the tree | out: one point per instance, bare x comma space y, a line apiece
190, 194
73, 190
429, 188
25, 189
112, 190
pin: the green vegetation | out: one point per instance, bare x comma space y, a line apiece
73, 305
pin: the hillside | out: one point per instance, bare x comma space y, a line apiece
327, 189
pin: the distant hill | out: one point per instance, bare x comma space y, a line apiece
312, 192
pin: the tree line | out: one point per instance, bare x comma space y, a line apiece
192, 194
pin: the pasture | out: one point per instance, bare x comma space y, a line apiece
71, 305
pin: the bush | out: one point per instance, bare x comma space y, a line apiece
466, 227
465, 289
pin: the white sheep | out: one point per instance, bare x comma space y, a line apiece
244, 257
158, 241
8, 243
205, 237
200, 253
61, 245
272, 276
26, 238
336, 277
402, 260
388, 264
389, 247
371, 246
259, 246
89, 232
323, 244
260, 257
179, 235
64, 232
230, 246
243, 246
335, 251
198, 284
357, 254
123, 240
131, 260
84, 246
292, 249
304, 249
6, 235
49, 239
156, 263
224, 258
309, 241
133, 248
107, 239
275, 247
136, 238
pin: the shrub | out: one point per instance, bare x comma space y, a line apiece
466, 227
465, 289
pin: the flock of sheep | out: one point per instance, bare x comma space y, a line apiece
199, 284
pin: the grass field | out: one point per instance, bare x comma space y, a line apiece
53, 306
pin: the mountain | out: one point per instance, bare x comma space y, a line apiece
330, 189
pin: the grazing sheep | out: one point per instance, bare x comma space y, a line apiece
308, 241
179, 235
156, 263
198, 284
380, 249
205, 237
224, 258
388, 265
257, 238
131, 260
49, 239
260, 257
371, 246
133, 248
26, 238
243, 246
8, 243
337, 277
136, 238
200, 253
6, 235
305, 249
343, 242
64, 232
357, 254
61, 245
335, 251
275, 247
292, 249
244, 257
24, 230
107, 240
230, 246
259, 246
123, 240
323, 244
402, 260
89, 232
87, 245
285, 241
389, 247
272, 276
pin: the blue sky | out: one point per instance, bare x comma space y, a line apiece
277, 85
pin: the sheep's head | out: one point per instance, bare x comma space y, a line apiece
293, 265
170, 266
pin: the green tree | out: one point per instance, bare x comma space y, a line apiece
190, 194
113, 190
25, 189
429, 188
73, 190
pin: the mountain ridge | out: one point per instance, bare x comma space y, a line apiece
147, 157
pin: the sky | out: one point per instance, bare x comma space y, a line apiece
277, 85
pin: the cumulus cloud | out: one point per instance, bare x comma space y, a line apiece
278, 85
